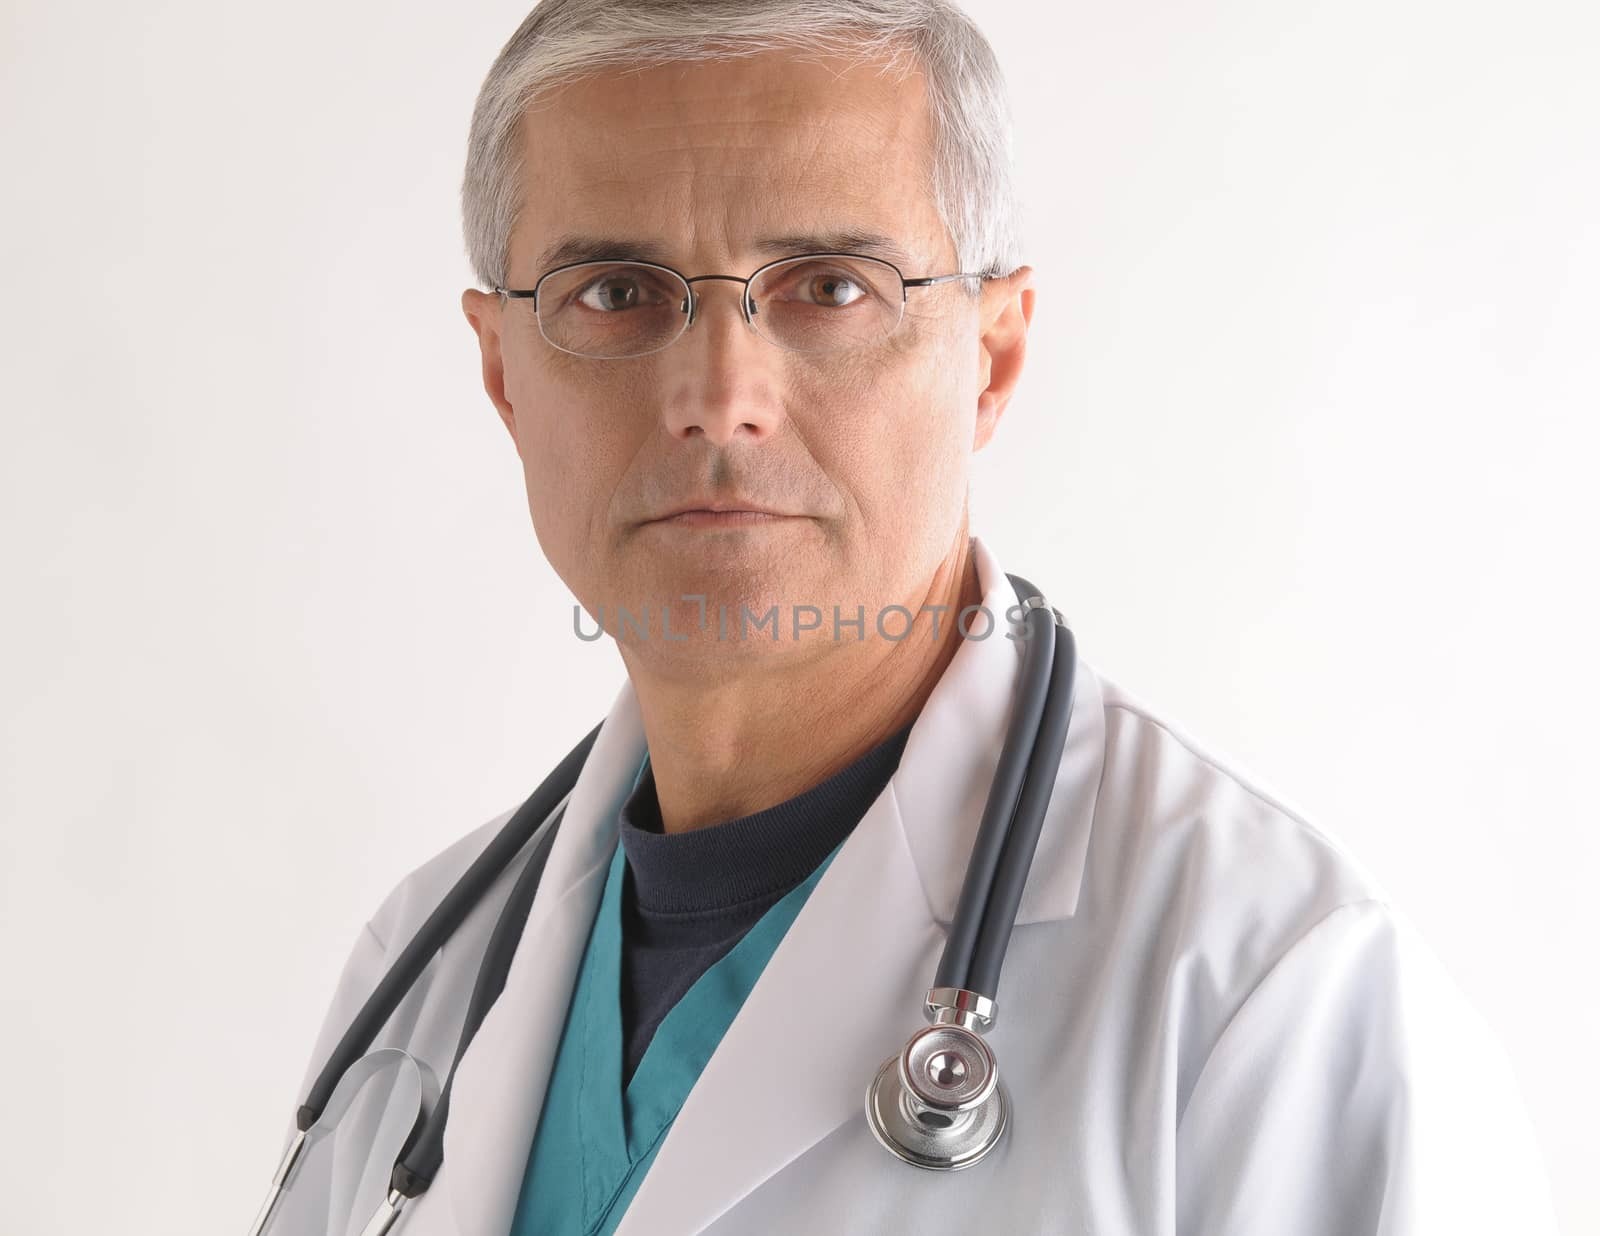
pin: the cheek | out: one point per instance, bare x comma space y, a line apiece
575, 441
901, 439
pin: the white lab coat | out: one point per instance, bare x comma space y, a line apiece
1211, 1021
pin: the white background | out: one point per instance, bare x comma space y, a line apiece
1305, 450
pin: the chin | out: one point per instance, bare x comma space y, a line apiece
732, 570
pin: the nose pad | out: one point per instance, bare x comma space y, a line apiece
748, 309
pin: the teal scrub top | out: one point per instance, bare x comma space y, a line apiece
595, 1140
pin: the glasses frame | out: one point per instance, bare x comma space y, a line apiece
690, 307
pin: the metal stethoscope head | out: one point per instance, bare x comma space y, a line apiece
939, 1103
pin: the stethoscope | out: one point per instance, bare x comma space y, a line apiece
937, 1104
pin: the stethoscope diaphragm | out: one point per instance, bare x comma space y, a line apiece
939, 1103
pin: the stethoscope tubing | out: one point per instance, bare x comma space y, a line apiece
1005, 794
1022, 840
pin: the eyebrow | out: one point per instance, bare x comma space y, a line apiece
571, 249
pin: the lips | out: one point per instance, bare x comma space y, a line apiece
732, 517
718, 507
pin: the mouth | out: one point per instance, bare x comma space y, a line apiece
732, 517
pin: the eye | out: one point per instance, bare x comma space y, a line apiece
831, 289
619, 290
816, 285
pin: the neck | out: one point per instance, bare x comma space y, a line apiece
729, 748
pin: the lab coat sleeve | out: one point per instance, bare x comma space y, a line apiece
1355, 1092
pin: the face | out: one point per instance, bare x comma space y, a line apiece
863, 454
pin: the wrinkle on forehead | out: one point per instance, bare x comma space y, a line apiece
712, 152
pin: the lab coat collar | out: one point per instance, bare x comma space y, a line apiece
795, 1063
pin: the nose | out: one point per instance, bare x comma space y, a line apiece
721, 380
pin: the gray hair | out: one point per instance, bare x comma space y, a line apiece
563, 40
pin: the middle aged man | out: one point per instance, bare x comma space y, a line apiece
1210, 1021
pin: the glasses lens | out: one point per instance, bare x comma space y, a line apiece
826, 302
612, 309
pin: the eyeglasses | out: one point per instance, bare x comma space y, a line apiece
812, 302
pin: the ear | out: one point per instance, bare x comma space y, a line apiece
1004, 313
483, 313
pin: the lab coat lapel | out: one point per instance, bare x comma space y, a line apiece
500, 1082
845, 987
840, 991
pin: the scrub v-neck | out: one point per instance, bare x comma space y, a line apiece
596, 1140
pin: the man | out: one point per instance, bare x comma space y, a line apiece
1210, 1021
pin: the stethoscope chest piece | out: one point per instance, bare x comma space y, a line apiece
939, 1103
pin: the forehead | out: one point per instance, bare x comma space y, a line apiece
731, 160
